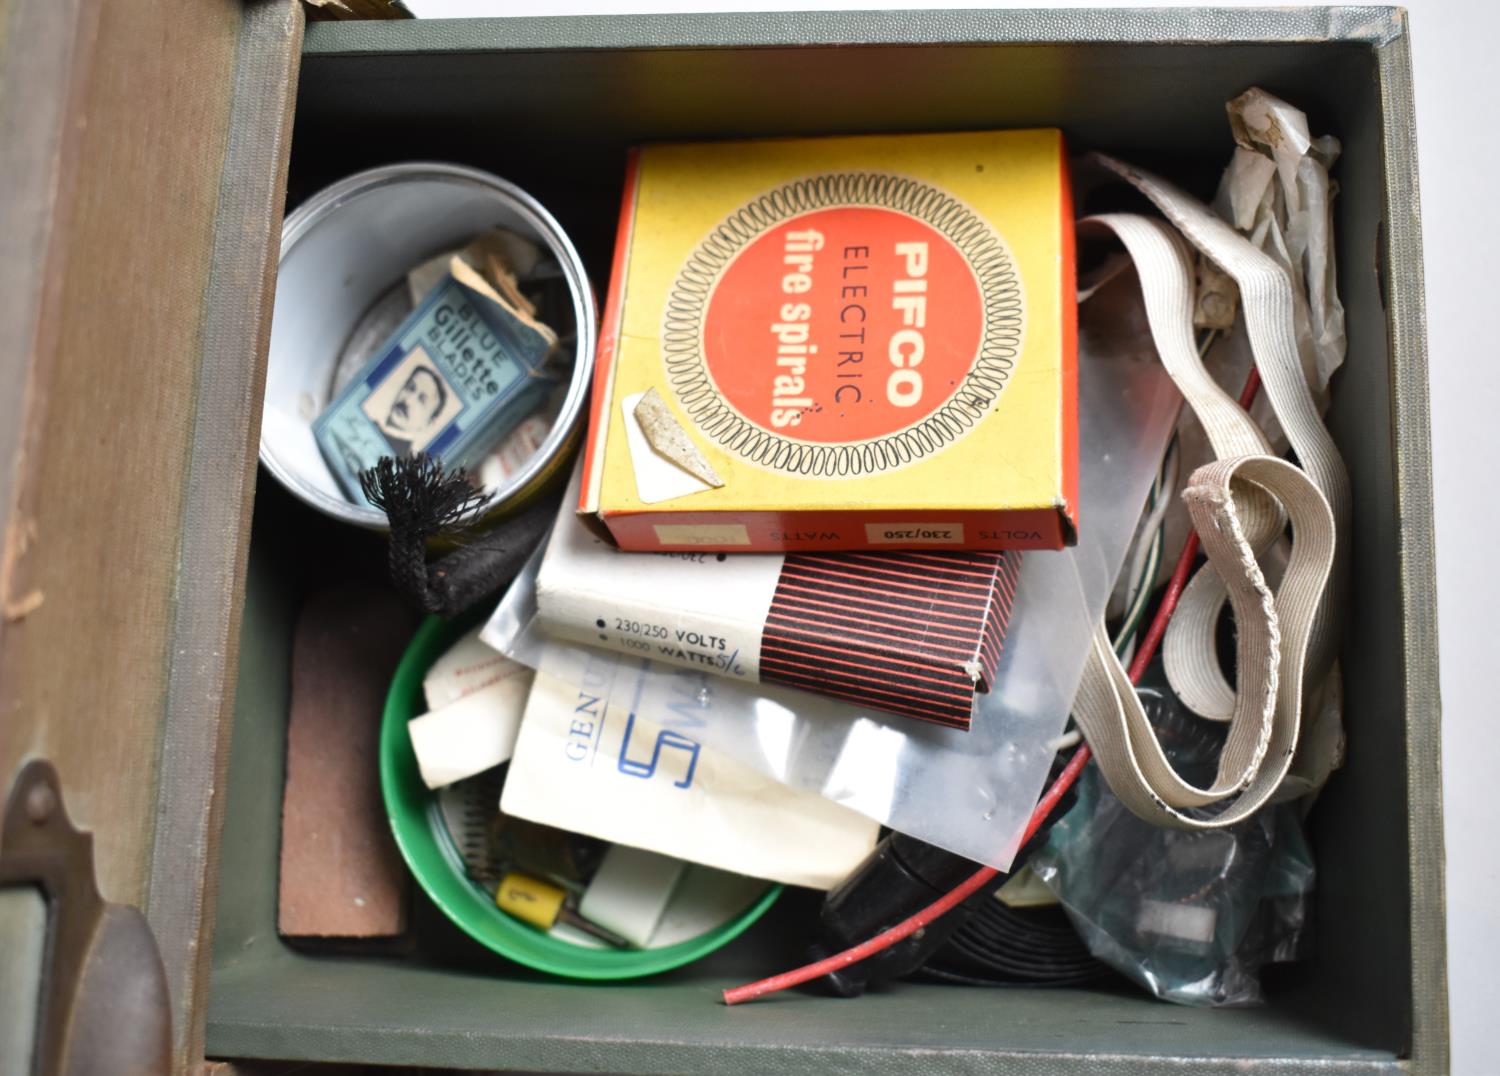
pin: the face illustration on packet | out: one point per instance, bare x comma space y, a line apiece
417, 410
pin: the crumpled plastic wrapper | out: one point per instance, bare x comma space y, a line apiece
1277, 191
1192, 917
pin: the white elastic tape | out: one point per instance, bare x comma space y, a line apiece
1166, 275
1268, 304
1271, 651
1239, 505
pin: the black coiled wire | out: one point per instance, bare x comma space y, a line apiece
1003, 946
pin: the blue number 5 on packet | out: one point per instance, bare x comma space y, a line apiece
461, 370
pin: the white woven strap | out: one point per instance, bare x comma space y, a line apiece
1239, 505
1166, 273
1273, 636
1267, 300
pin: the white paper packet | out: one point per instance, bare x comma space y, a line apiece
635, 773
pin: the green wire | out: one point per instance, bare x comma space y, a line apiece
1137, 612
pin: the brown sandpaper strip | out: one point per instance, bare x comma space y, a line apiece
341, 874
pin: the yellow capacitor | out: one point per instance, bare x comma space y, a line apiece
543, 905
530, 900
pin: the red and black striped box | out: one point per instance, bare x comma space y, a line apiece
913, 633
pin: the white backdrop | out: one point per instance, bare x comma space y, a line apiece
1460, 167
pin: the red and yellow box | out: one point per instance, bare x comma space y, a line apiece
840, 343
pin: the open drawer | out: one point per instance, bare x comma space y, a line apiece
552, 104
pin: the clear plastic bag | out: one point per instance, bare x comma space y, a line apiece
969, 792
1190, 915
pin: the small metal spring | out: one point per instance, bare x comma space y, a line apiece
472, 808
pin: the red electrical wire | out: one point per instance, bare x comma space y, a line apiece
976, 881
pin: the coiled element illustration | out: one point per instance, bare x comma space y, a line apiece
1000, 342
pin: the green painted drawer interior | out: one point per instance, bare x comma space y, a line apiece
553, 106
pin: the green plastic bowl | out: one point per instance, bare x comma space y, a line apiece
432, 856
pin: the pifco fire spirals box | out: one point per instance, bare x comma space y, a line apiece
840, 343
